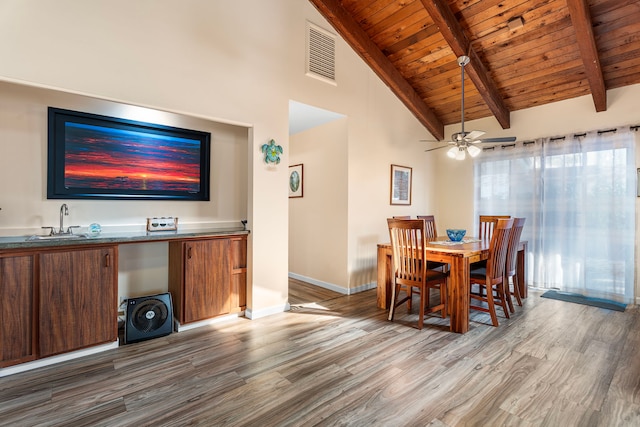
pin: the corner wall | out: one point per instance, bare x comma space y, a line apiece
318, 220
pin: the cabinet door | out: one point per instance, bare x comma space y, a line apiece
238, 273
78, 299
207, 271
17, 335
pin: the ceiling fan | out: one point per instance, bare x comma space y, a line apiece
464, 142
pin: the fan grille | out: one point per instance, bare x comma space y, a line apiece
149, 315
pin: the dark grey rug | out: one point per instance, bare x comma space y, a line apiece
581, 299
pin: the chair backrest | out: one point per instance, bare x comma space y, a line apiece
498, 250
488, 223
402, 217
430, 225
512, 250
407, 242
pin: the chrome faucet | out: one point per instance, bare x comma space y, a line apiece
64, 210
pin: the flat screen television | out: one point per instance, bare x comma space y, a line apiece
99, 157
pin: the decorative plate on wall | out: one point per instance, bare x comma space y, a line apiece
295, 180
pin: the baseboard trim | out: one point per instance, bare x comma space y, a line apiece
333, 287
256, 314
181, 328
47, 361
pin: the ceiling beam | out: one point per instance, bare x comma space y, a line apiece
359, 41
454, 35
581, 19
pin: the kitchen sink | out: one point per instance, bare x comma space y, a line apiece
58, 237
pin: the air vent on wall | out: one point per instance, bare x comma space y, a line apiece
321, 52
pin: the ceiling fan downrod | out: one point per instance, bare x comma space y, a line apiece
462, 61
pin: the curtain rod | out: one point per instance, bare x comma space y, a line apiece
634, 128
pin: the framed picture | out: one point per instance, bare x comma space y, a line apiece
99, 157
400, 185
295, 180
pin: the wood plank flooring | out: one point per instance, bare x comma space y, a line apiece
336, 360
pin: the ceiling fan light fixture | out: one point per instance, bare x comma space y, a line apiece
461, 154
473, 150
452, 152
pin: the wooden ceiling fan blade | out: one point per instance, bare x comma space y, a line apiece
437, 148
501, 139
474, 134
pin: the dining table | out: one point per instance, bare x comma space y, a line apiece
459, 256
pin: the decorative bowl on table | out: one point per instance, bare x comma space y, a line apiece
456, 234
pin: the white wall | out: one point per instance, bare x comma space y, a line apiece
217, 60
318, 220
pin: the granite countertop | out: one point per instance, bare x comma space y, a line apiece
25, 242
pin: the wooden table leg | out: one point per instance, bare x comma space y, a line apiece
459, 294
384, 278
520, 270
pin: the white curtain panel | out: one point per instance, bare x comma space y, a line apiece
578, 194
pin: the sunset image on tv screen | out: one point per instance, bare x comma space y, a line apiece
110, 158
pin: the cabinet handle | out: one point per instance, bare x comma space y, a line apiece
107, 260
189, 252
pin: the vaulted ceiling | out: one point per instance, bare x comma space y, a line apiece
523, 53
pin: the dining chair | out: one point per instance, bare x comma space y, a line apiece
402, 217
491, 278
511, 264
432, 234
430, 223
409, 254
485, 230
487, 224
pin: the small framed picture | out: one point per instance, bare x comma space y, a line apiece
295, 180
400, 185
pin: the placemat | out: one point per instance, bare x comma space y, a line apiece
451, 243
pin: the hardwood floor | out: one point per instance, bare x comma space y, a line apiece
336, 360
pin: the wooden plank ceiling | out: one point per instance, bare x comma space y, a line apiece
523, 53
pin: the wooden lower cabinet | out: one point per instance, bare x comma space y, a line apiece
62, 299
17, 316
239, 272
78, 299
207, 277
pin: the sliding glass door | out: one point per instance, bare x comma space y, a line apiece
578, 194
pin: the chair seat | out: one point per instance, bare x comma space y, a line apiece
433, 265
432, 276
478, 273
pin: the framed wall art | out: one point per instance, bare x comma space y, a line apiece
99, 157
295, 180
400, 185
